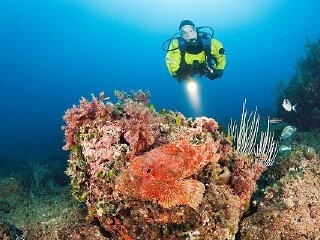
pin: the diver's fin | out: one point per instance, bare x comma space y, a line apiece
185, 192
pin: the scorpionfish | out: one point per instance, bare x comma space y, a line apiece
160, 175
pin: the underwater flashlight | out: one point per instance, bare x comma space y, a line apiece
192, 90
191, 85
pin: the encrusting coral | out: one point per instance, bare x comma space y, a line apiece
155, 175
289, 207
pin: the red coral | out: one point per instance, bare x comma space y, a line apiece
141, 126
206, 124
139, 96
243, 179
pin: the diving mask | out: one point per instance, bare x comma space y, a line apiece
189, 33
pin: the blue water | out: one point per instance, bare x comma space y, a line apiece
52, 52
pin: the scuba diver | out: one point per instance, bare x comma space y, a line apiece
194, 52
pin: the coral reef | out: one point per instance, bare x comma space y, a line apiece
145, 174
304, 89
289, 206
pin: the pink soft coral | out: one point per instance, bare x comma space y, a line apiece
141, 126
78, 115
129, 120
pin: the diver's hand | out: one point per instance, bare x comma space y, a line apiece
181, 76
216, 73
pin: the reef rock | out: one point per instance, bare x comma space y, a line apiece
290, 207
145, 174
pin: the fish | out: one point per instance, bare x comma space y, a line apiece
288, 106
287, 132
284, 148
160, 174
275, 120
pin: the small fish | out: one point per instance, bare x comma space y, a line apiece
284, 148
287, 105
160, 174
274, 120
287, 132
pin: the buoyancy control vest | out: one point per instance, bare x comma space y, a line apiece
203, 45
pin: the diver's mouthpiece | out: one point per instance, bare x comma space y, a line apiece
193, 41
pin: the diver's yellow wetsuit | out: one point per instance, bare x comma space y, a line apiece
173, 58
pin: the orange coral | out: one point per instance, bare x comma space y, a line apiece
160, 174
